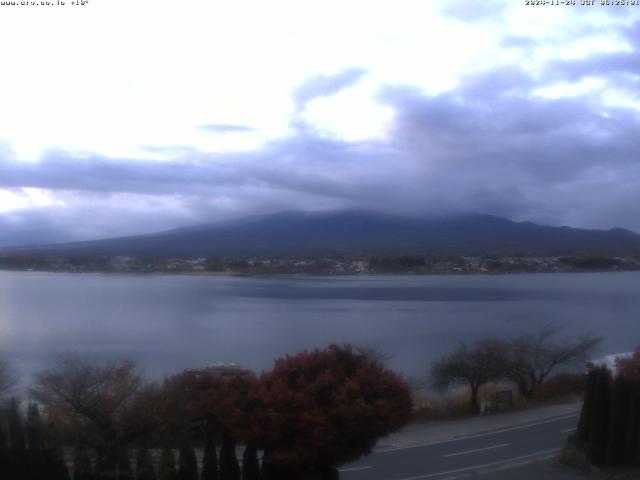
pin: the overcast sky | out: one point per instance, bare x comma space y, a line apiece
132, 116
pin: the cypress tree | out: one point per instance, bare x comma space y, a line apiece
82, 469
229, 469
55, 464
16, 432
106, 465
187, 464
35, 429
250, 464
210, 459
271, 471
167, 465
36, 465
18, 463
144, 465
587, 406
632, 441
125, 472
4, 453
599, 421
618, 422
267, 472
4, 446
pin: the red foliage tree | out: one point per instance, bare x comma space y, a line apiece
199, 403
315, 410
629, 366
328, 407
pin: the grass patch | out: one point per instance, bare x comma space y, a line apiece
572, 456
561, 388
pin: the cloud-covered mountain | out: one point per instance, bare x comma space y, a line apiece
375, 116
355, 231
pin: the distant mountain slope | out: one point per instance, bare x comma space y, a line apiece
356, 231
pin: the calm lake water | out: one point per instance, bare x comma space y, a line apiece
172, 322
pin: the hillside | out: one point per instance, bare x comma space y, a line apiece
353, 232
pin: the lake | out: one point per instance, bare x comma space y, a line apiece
169, 323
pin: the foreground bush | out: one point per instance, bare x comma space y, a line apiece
609, 426
329, 407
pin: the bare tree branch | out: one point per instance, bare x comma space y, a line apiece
474, 365
375, 352
536, 354
98, 402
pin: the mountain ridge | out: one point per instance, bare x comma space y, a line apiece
349, 231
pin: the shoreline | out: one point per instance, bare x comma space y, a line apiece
237, 274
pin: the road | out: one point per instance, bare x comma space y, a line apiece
523, 451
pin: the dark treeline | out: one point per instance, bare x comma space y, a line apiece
609, 426
91, 420
28, 447
337, 263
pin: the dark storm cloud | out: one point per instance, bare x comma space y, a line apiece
301, 163
489, 145
492, 145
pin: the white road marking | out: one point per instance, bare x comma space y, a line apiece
501, 468
567, 430
457, 477
484, 465
475, 450
353, 469
479, 435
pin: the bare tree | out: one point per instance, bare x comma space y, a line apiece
473, 366
535, 355
375, 352
102, 405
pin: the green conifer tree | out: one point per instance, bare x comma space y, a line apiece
4, 453
618, 421
632, 440
599, 418
55, 463
35, 429
82, 469
125, 472
144, 465
36, 458
229, 468
167, 465
16, 431
587, 407
271, 471
187, 464
210, 459
106, 465
250, 464
18, 460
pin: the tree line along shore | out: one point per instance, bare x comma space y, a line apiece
86, 418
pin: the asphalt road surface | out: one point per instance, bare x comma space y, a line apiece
522, 451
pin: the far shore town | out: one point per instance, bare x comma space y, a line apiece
326, 265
